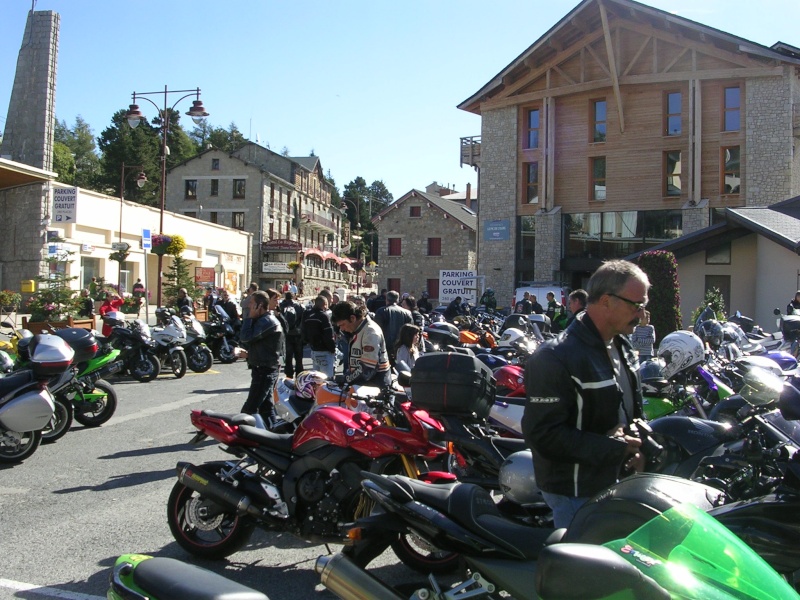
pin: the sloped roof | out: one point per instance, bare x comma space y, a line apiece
585, 19
455, 209
308, 162
14, 174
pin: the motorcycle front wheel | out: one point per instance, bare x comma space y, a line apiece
145, 367
202, 527
60, 422
227, 354
97, 406
177, 362
16, 447
200, 358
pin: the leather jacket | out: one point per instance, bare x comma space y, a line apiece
390, 319
264, 340
317, 330
573, 402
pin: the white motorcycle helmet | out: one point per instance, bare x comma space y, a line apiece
510, 336
307, 382
680, 350
517, 481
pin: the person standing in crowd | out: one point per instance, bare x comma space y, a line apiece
368, 359
139, 293
377, 302
210, 299
293, 288
453, 309
263, 336
535, 306
317, 332
390, 319
524, 306
552, 306
229, 306
488, 300
87, 305
410, 304
293, 314
253, 287
93, 288
184, 300
573, 420
407, 347
112, 302
794, 305
424, 304
643, 337
576, 303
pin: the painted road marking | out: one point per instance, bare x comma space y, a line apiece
18, 586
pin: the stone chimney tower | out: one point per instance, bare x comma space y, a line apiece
28, 136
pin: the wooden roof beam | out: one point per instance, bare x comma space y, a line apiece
612, 65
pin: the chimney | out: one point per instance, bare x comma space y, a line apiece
468, 199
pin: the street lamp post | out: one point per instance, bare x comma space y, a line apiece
141, 179
134, 116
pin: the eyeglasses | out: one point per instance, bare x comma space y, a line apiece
637, 305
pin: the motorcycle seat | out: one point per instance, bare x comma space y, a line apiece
279, 441
473, 508
170, 578
232, 418
11, 382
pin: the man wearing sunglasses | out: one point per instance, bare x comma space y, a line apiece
582, 389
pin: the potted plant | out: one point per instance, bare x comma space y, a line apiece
131, 305
294, 265
9, 300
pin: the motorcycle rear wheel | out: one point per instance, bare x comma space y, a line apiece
145, 368
60, 422
212, 536
200, 359
419, 555
178, 363
12, 453
101, 405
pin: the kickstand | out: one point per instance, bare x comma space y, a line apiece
328, 548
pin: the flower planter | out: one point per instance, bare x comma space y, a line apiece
40, 326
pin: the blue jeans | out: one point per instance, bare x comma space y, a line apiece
563, 507
323, 361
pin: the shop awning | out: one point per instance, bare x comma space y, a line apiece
315, 252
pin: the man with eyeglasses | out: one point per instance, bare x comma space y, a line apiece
582, 389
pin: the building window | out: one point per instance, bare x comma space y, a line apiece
237, 220
533, 127
672, 173
618, 234
215, 187
395, 247
190, 189
432, 288
598, 182
415, 212
212, 217
239, 188
393, 283
192, 214
215, 164
434, 246
599, 120
720, 255
532, 183
731, 173
731, 113
672, 113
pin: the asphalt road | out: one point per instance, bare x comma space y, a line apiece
72, 508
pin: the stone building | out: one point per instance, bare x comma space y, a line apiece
624, 127
284, 202
423, 233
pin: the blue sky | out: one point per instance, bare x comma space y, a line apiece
371, 86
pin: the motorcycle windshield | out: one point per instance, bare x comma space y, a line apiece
790, 429
693, 556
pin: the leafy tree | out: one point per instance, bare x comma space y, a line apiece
285, 151
80, 141
220, 138
370, 200
63, 163
181, 147
664, 295
179, 276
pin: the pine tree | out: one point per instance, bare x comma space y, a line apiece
714, 299
179, 276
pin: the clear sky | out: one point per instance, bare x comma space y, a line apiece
371, 86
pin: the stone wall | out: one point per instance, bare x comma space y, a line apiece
548, 245
28, 135
22, 243
498, 197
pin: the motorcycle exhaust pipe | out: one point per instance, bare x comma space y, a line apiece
342, 577
207, 484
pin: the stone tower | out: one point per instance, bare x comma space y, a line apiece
28, 136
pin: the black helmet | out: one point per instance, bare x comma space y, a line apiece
711, 332
186, 310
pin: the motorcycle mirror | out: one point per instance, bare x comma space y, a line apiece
776, 312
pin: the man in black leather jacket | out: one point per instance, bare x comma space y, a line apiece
390, 319
263, 335
582, 388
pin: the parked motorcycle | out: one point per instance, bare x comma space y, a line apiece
220, 336
198, 354
26, 404
136, 346
169, 336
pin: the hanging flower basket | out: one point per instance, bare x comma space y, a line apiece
161, 244
119, 256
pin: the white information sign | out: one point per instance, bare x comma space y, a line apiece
65, 203
457, 283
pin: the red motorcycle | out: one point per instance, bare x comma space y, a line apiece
306, 483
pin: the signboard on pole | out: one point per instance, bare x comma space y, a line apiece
147, 240
457, 283
204, 276
65, 204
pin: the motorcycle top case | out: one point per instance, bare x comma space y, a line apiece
452, 383
82, 341
49, 355
790, 327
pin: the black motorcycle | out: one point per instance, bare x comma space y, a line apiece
136, 346
220, 336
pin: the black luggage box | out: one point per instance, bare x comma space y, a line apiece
790, 326
82, 341
452, 383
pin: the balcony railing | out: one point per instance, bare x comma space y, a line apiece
471, 151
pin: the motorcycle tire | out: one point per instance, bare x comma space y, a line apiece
145, 369
200, 359
213, 537
228, 356
177, 362
12, 453
60, 422
101, 404
422, 557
